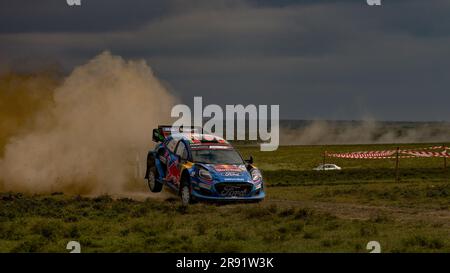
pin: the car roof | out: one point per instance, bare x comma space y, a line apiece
194, 139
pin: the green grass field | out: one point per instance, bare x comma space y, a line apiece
305, 211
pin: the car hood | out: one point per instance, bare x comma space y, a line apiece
228, 172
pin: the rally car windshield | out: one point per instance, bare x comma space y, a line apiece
209, 156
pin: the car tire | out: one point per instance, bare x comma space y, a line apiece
153, 185
185, 194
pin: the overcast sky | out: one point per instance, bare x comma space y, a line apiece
316, 59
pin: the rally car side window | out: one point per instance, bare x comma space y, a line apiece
171, 145
182, 151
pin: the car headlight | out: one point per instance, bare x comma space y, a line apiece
205, 174
256, 175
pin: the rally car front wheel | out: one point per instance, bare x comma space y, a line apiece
186, 197
154, 185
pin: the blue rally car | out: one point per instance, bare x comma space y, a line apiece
201, 167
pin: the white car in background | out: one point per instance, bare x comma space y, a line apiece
327, 167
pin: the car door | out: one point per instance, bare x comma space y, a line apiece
170, 159
182, 156
176, 157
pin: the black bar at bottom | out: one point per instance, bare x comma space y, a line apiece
225, 262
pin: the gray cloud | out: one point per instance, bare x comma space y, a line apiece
317, 59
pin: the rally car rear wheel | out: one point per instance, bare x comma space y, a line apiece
154, 185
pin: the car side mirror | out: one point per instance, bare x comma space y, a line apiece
250, 160
156, 136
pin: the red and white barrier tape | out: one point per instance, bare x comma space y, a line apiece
391, 154
428, 154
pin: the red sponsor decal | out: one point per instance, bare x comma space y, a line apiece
173, 173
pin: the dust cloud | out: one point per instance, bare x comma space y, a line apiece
367, 131
85, 140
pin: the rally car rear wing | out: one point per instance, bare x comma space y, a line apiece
163, 131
